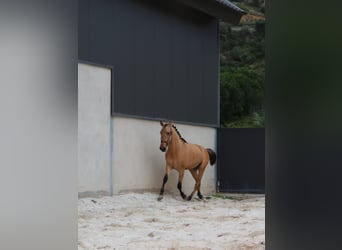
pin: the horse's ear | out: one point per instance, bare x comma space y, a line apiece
172, 123
161, 124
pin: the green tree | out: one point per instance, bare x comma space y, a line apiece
242, 58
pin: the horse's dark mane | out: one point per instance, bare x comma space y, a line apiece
180, 136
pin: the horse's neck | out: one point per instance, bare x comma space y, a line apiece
176, 142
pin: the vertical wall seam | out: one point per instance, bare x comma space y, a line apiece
218, 75
111, 156
217, 141
111, 137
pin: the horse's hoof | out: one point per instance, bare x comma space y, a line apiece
189, 198
200, 196
160, 198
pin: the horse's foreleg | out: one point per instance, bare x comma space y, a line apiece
179, 185
166, 177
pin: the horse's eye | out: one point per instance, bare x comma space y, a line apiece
168, 133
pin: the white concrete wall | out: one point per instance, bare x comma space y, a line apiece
94, 84
140, 165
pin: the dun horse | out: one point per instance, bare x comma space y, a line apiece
180, 156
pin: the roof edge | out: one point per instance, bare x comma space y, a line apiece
221, 9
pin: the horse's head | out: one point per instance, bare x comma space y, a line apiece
165, 135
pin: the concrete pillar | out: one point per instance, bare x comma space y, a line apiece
94, 84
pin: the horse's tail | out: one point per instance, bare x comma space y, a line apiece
212, 156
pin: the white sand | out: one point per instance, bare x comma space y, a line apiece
139, 221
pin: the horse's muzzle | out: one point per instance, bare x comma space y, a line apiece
163, 145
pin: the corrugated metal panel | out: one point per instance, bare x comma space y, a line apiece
164, 55
241, 160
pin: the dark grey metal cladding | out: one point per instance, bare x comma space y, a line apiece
241, 160
164, 55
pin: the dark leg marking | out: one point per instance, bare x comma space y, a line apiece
162, 188
179, 186
166, 177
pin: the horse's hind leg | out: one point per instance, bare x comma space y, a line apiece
179, 185
195, 176
198, 177
199, 191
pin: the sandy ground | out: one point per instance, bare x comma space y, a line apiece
139, 221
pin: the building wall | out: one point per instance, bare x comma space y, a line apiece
118, 154
140, 165
94, 84
161, 51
